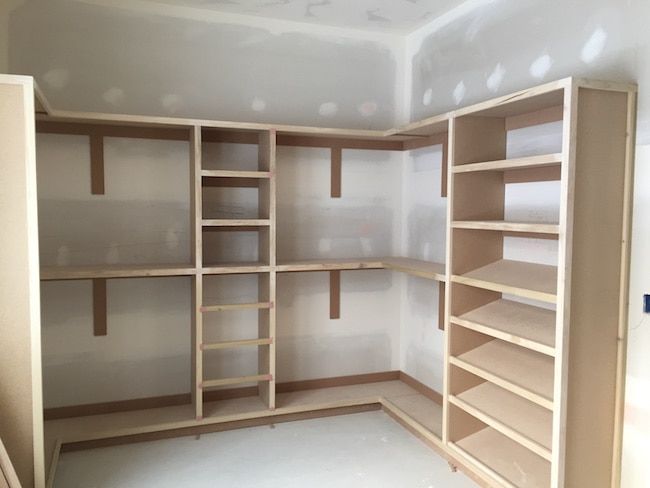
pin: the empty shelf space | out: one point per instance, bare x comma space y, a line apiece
511, 462
232, 344
529, 280
509, 164
235, 381
235, 306
521, 371
115, 271
219, 173
505, 226
522, 421
235, 268
236, 222
518, 323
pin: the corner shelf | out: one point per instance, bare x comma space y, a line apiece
528, 280
524, 325
522, 421
514, 465
518, 370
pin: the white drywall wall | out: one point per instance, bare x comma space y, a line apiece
150, 58
486, 48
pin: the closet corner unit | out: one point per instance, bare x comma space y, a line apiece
535, 351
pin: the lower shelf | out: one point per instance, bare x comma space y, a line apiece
396, 395
514, 465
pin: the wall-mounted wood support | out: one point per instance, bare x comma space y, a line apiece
96, 163
335, 185
443, 168
335, 295
442, 290
100, 310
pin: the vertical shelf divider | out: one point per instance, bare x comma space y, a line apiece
267, 251
196, 217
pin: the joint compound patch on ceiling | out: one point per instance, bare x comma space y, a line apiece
495, 79
459, 92
594, 46
328, 109
57, 78
541, 66
258, 105
368, 109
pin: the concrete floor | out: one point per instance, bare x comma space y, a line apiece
361, 450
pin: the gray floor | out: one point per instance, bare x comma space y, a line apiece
360, 450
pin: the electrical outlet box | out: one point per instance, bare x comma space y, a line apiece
646, 303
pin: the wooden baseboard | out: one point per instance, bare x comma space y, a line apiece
216, 395
421, 388
220, 427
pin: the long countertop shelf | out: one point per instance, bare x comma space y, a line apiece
416, 267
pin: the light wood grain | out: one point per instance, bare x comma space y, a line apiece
505, 226
235, 222
220, 173
508, 462
524, 325
233, 344
235, 306
522, 421
115, 271
541, 161
521, 371
530, 280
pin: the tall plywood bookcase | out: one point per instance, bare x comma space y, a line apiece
534, 359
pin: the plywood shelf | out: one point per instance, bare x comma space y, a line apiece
415, 267
505, 226
233, 344
235, 381
236, 223
236, 306
235, 268
52, 273
522, 421
541, 161
514, 465
219, 173
518, 370
529, 280
518, 323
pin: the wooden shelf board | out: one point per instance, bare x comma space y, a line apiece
235, 381
232, 344
416, 267
511, 462
505, 226
540, 161
518, 323
236, 222
107, 426
521, 371
530, 280
524, 422
115, 271
235, 306
221, 173
235, 268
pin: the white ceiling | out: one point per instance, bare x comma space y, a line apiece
394, 16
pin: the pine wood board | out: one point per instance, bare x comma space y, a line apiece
507, 226
524, 372
115, 271
530, 280
518, 323
517, 418
512, 463
221, 173
541, 161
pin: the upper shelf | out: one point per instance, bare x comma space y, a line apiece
115, 271
506, 226
540, 161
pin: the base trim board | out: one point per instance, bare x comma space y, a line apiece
421, 388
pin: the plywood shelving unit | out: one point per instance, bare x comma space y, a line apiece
534, 353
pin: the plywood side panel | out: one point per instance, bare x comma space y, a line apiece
599, 206
21, 403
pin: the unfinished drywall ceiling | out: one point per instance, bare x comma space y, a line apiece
114, 59
493, 47
399, 16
